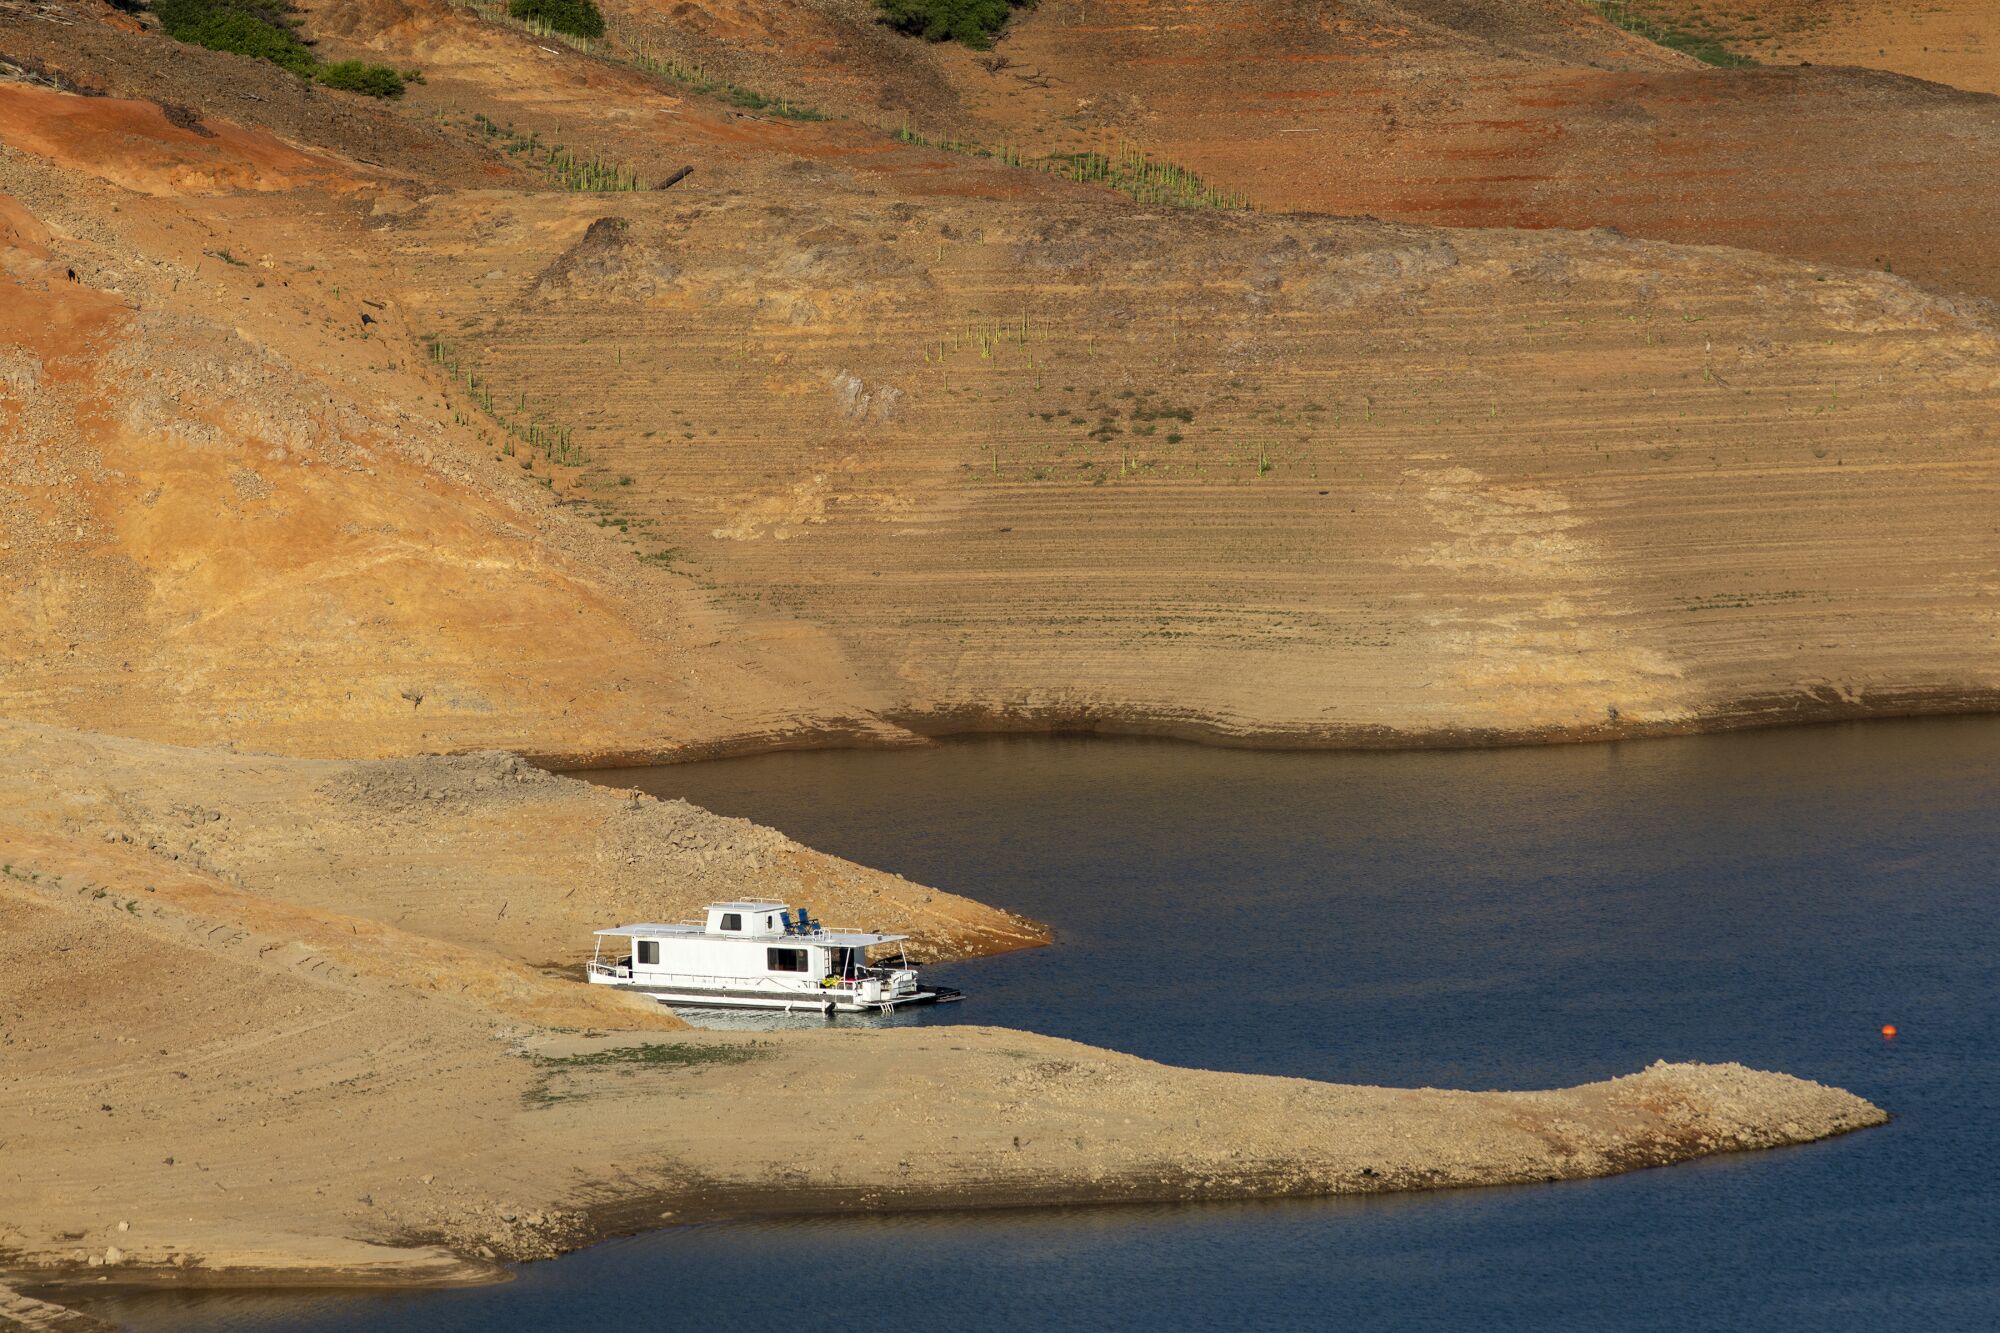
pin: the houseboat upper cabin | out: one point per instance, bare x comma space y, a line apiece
759, 955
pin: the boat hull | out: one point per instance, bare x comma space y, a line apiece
804, 1003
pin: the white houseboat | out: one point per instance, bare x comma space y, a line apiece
760, 955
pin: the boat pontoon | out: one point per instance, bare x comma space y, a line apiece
761, 955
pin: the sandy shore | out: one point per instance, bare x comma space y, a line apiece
480, 852
495, 1148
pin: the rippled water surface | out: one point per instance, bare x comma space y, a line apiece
1515, 918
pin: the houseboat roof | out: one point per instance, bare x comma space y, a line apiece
844, 939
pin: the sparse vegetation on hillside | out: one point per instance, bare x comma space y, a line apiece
226, 25
1150, 182
578, 18
1128, 170
1704, 46
355, 77
265, 31
574, 171
671, 1055
696, 80
973, 22
521, 425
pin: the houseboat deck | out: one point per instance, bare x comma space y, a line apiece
756, 955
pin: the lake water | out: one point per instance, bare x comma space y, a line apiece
1496, 919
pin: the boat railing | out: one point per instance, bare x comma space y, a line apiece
709, 981
898, 979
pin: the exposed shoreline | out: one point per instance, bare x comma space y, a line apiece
918, 730
1580, 572
1745, 1111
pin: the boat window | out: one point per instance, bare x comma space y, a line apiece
649, 952
786, 960
732, 920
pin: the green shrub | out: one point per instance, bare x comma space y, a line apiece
354, 77
974, 22
243, 27
263, 30
1704, 46
578, 18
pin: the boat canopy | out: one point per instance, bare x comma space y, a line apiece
839, 939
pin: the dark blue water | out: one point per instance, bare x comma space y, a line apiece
1498, 919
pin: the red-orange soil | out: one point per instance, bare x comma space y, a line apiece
1522, 114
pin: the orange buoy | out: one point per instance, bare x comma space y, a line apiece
1889, 1030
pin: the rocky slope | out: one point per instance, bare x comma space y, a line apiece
241, 504
863, 439
1529, 113
1278, 478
